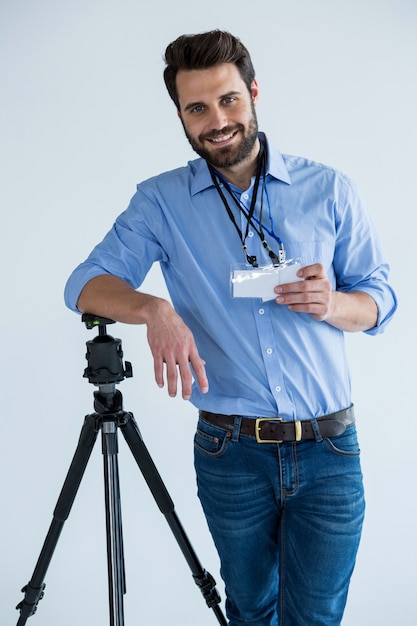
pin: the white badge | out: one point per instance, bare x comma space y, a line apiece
259, 282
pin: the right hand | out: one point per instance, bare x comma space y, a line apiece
171, 341
174, 350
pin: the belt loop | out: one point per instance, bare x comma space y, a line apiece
316, 430
236, 427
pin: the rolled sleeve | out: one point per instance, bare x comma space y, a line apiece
128, 251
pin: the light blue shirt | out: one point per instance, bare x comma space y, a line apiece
262, 359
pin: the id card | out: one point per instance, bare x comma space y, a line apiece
259, 282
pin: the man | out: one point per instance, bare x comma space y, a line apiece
276, 451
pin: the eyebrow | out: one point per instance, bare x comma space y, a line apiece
191, 105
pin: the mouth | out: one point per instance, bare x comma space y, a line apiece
222, 139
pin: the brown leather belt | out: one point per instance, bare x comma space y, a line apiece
276, 430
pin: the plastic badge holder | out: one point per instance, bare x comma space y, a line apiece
260, 282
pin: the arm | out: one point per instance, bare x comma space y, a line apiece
171, 341
353, 311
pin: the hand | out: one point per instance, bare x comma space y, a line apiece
174, 349
313, 295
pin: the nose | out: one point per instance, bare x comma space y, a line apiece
218, 118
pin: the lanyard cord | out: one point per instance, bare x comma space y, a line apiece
260, 171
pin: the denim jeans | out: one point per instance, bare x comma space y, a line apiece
286, 520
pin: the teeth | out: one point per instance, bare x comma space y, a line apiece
223, 138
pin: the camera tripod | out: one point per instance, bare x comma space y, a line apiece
105, 369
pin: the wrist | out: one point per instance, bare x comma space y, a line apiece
151, 308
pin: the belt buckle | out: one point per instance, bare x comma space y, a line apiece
258, 429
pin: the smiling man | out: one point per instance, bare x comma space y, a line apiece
276, 449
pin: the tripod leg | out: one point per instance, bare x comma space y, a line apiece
202, 578
34, 589
115, 557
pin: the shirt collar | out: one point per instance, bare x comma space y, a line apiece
276, 168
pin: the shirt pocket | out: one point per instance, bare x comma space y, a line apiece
310, 252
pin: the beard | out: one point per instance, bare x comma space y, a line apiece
229, 156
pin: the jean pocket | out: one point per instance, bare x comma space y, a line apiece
210, 440
346, 444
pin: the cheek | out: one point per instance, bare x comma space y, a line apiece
193, 128
199, 130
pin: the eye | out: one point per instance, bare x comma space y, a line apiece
229, 100
198, 108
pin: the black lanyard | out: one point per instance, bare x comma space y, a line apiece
260, 173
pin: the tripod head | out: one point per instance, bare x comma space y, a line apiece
104, 354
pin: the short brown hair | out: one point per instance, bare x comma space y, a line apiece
202, 51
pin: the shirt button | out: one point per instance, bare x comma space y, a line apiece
261, 311
245, 196
250, 233
269, 351
277, 388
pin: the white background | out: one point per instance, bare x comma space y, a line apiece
84, 117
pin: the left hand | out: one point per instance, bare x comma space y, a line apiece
313, 295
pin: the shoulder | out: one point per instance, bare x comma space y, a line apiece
314, 174
303, 171
296, 163
181, 176
169, 193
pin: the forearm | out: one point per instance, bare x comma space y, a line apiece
352, 312
110, 296
170, 340
349, 311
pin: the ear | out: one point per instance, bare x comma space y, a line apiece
179, 113
254, 91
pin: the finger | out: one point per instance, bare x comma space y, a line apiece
316, 310
200, 375
320, 296
158, 367
186, 380
172, 377
316, 270
196, 366
316, 304
302, 286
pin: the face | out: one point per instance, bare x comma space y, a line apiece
218, 114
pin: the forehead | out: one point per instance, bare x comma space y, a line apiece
207, 84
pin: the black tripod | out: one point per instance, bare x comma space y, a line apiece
105, 369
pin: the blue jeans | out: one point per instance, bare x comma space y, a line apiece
286, 520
